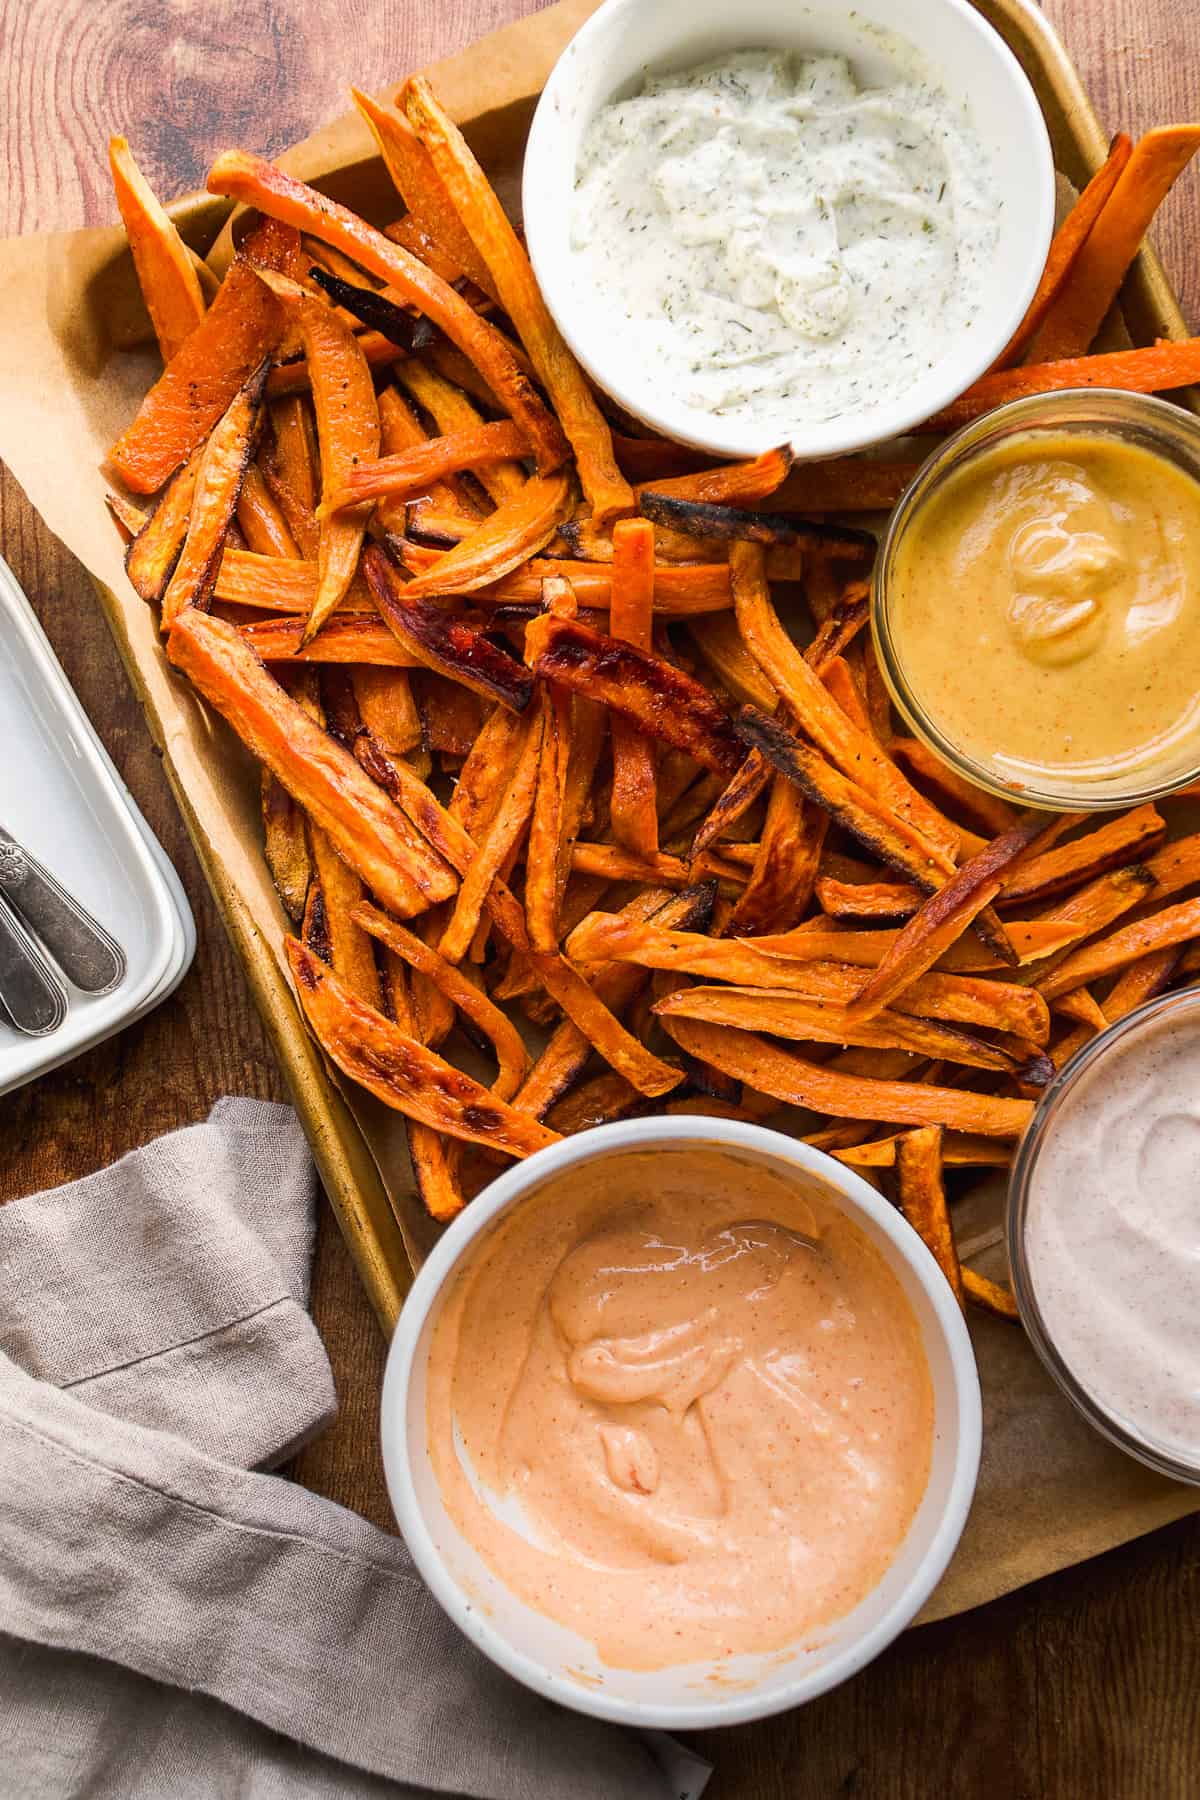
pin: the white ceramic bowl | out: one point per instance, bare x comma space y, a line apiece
543, 1654
627, 39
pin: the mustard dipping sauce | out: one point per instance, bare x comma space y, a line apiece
1045, 610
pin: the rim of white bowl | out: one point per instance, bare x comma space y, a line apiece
834, 437
504, 1192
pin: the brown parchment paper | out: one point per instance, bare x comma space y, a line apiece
1051, 1492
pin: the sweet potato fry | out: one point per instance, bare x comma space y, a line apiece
261, 521
348, 638
867, 899
1069, 241
988, 1294
347, 434
985, 812
440, 641
711, 523
1124, 840
498, 838
420, 187
1173, 925
719, 642
281, 584
598, 1102
960, 1150
512, 1058
615, 864
1081, 1005
634, 810
350, 953
290, 469
214, 500
294, 379
1031, 938
358, 304
851, 750
411, 471
1139, 981
788, 1015
845, 484
401, 430
884, 833
166, 275
1175, 866
660, 699
199, 383
1088, 911
569, 1048
799, 1082
128, 518
599, 1025
735, 800
371, 834
401, 1072
679, 592
996, 1005
285, 846
488, 227
731, 484
258, 183
385, 702
153, 553
922, 1196
1153, 369
547, 852
781, 880
1094, 282
520, 527
941, 919
452, 412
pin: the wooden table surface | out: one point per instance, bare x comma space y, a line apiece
1081, 1685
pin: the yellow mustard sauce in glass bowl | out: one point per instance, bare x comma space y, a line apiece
1038, 600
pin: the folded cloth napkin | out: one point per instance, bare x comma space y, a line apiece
173, 1622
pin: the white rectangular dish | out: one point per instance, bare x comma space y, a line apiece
61, 796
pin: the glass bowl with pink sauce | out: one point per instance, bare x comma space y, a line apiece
1104, 1233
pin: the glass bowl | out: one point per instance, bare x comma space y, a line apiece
1118, 1428
1093, 412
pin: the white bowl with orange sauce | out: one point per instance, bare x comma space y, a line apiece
440, 1491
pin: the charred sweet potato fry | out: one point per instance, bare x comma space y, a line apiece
371, 834
799, 1082
350, 953
165, 271
199, 383
153, 553
219, 478
660, 699
489, 229
402, 1072
941, 919
439, 641
258, 183
285, 846
731, 484
922, 1196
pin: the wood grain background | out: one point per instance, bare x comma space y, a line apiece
1082, 1685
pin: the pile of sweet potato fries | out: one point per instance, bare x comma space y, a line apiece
536, 739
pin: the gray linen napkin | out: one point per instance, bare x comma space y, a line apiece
172, 1622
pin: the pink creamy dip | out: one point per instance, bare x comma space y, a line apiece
705, 1388
1112, 1233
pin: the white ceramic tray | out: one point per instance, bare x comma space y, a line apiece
62, 798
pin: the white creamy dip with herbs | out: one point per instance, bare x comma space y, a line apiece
775, 245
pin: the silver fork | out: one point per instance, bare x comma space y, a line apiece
36, 911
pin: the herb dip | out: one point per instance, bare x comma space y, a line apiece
774, 244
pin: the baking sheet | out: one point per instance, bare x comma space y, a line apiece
1051, 1492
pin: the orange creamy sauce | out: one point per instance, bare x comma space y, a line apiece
706, 1390
1046, 610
